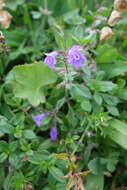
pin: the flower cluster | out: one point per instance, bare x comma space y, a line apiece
53, 130
74, 57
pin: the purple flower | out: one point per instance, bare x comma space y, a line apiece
75, 57
38, 118
76, 47
53, 133
50, 59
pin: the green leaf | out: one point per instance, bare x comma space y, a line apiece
80, 92
123, 93
73, 18
57, 173
110, 99
6, 111
95, 166
18, 118
15, 161
60, 39
86, 105
111, 161
46, 121
13, 4
118, 132
61, 186
113, 110
18, 180
98, 98
107, 54
4, 147
29, 134
72, 119
13, 145
60, 103
94, 182
102, 86
111, 167
45, 145
8, 181
36, 14
2, 176
38, 158
5, 127
3, 157
28, 81
116, 69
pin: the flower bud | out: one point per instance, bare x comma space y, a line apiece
53, 133
106, 33
120, 5
114, 17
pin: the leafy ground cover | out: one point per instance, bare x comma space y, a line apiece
63, 95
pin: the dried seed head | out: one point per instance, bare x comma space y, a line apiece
28, 186
5, 19
2, 4
73, 159
106, 33
3, 46
120, 5
114, 17
1, 37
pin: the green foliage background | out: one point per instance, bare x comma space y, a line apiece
98, 97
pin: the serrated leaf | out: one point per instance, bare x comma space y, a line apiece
28, 81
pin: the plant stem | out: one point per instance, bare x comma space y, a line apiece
80, 141
45, 4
